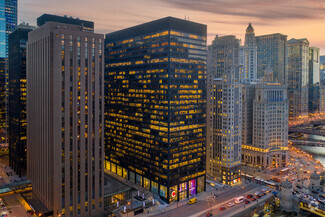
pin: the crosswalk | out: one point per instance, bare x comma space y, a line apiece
11, 202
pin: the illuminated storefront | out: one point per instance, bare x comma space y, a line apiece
155, 105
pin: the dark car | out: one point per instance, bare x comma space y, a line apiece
253, 199
209, 214
215, 196
249, 196
258, 196
247, 201
222, 208
262, 194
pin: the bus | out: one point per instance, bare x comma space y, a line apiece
284, 171
270, 184
239, 199
248, 177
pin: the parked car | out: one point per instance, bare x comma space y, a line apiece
249, 196
222, 208
209, 214
231, 204
247, 201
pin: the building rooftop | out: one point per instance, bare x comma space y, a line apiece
166, 23
88, 25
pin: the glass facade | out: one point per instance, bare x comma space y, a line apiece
8, 23
298, 76
314, 79
271, 51
155, 103
17, 98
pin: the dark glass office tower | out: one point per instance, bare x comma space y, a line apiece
155, 83
8, 23
17, 98
87, 25
272, 52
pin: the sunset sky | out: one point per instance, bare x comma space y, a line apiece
295, 18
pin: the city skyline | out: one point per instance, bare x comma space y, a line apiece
221, 17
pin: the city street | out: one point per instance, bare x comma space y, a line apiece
13, 207
203, 206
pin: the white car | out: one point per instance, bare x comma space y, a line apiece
231, 204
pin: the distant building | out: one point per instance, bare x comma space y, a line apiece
156, 106
17, 98
322, 69
8, 23
65, 119
224, 114
87, 25
314, 79
267, 146
298, 77
272, 51
250, 68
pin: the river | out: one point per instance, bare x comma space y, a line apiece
317, 152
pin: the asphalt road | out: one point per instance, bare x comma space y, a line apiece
203, 205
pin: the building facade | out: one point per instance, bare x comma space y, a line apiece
17, 98
8, 23
269, 145
314, 79
272, 51
250, 70
322, 69
224, 113
65, 118
156, 106
298, 77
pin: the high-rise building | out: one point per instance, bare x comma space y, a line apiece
8, 23
65, 118
248, 95
314, 79
298, 76
85, 24
322, 69
272, 51
224, 113
250, 69
17, 98
156, 106
266, 145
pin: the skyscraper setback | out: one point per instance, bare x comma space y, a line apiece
224, 113
155, 106
65, 118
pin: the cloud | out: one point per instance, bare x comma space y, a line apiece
260, 9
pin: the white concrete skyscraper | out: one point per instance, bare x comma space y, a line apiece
224, 110
250, 69
266, 142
